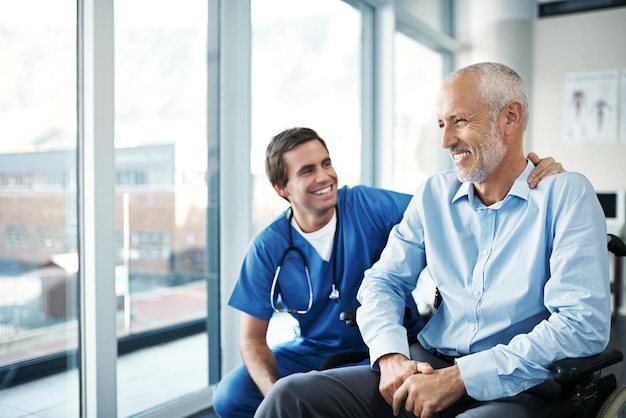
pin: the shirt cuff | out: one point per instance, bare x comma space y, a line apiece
480, 376
387, 343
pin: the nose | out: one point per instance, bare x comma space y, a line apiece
448, 139
323, 174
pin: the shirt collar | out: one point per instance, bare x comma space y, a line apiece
520, 187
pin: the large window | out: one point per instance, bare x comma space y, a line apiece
161, 202
161, 198
417, 150
38, 219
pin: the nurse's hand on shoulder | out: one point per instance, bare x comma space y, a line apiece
544, 167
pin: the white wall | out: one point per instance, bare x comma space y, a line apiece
579, 42
500, 31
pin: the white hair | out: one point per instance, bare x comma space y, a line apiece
497, 85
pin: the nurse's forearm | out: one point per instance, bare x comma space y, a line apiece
261, 365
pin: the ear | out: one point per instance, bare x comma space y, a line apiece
514, 113
281, 191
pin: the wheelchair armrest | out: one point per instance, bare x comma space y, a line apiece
572, 369
616, 245
349, 317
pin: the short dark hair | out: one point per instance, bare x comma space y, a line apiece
285, 141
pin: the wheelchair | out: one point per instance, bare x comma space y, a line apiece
586, 391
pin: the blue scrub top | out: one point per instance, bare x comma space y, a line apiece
366, 215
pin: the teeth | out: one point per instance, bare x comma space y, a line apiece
323, 191
460, 156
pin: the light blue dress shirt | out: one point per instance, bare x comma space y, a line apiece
525, 281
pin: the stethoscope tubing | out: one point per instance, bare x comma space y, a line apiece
334, 293
306, 272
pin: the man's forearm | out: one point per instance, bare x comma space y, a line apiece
261, 365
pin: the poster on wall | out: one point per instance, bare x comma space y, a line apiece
590, 107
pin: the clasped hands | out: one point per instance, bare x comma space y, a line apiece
417, 387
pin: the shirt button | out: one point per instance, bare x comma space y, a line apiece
485, 394
476, 293
485, 252
490, 211
472, 328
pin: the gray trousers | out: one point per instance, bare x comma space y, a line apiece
352, 392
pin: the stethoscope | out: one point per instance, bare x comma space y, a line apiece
334, 292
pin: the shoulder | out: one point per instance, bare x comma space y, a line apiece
361, 191
367, 198
568, 192
569, 182
443, 183
376, 205
573, 178
272, 232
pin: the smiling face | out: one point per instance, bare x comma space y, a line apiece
469, 135
311, 184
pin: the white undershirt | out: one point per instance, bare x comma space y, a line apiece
322, 239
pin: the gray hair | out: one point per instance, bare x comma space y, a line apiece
498, 85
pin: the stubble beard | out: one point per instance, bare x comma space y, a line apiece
489, 155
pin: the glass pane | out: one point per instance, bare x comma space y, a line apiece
38, 222
434, 13
417, 150
306, 71
161, 200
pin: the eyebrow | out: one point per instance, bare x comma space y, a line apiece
310, 166
305, 168
455, 116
